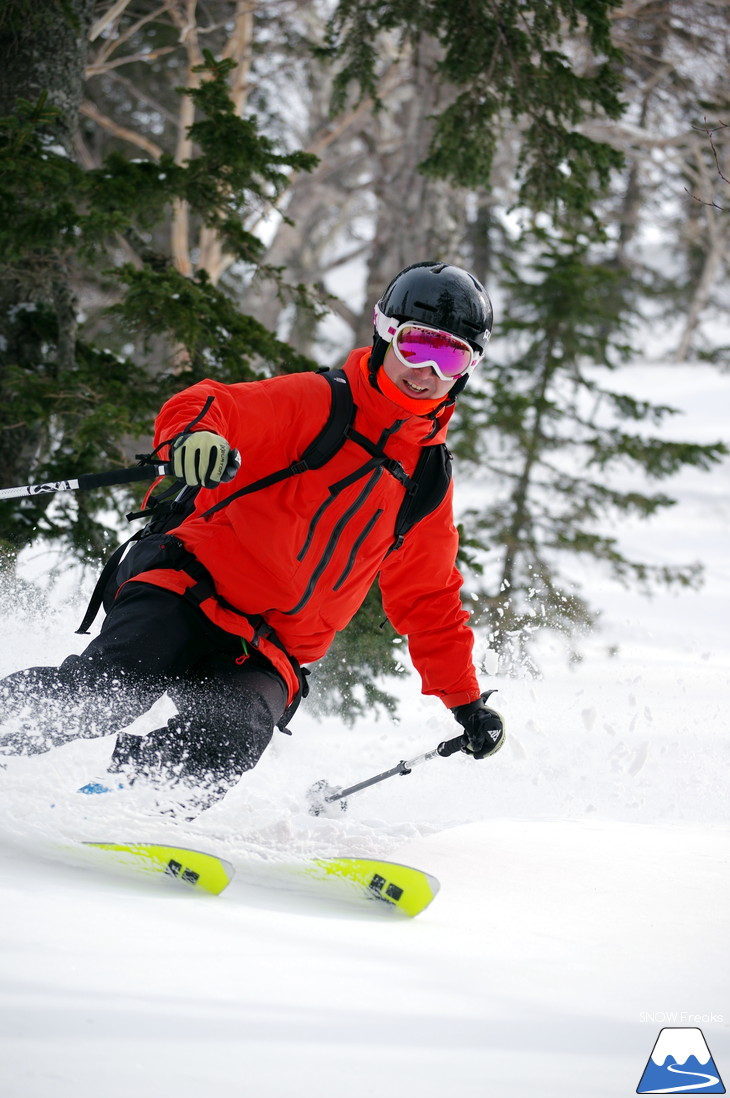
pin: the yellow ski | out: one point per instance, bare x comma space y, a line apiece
394, 887
192, 868
400, 887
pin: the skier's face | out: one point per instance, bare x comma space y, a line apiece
418, 382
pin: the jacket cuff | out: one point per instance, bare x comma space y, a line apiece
452, 700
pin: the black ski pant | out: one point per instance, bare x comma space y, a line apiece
152, 642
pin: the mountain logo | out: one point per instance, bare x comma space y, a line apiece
680, 1063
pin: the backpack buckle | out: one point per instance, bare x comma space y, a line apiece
394, 467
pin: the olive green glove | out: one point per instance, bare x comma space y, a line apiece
200, 458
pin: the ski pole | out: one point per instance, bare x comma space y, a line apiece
86, 481
321, 793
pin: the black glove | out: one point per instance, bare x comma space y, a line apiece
199, 458
483, 727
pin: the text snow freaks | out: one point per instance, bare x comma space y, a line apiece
679, 1018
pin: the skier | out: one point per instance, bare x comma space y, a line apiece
223, 609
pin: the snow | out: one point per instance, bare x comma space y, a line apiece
584, 872
681, 1044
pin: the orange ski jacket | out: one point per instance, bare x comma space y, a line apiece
304, 552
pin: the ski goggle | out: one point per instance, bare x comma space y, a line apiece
418, 345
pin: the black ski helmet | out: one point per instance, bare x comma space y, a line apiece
442, 296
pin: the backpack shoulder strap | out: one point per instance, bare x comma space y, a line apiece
340, 419
431, 479
320, 449
107, 572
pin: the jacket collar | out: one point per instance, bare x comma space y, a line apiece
382, 412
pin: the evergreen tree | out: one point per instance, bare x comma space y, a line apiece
349, 680
74, 402
42, 56
547, 433
513, 77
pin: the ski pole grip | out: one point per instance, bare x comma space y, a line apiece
232, 466
450, 747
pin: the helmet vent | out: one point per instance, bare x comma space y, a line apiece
424, 305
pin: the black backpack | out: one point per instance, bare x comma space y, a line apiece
424, 491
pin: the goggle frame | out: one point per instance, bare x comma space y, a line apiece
388, 328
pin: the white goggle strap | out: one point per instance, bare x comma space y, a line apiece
385, 326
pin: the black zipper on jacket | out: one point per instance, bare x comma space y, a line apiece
313, 526
378, 459
333, 540
356, 548
334, 491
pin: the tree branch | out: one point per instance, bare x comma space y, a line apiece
114, 42
96, 68
89, 110
710, 132
103, 21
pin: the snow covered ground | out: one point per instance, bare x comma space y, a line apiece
584, 872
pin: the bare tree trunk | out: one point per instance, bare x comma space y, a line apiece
211, 257
184, 18
321, 208
714, 257
418, 218
369, 169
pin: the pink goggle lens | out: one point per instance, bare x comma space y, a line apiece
450, 356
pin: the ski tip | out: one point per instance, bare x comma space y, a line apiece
397, 887
192, 868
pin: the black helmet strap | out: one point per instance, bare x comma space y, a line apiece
378, 353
